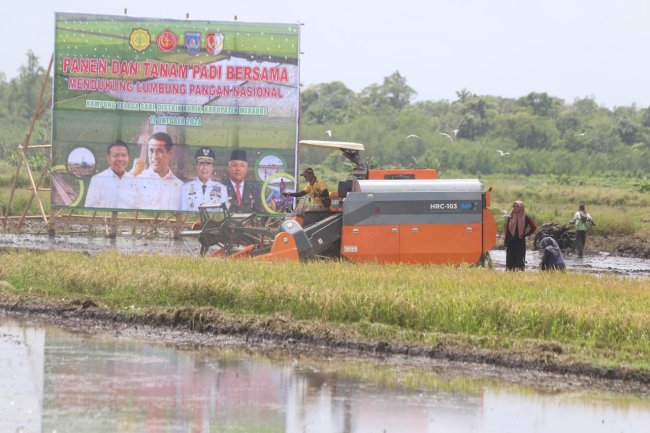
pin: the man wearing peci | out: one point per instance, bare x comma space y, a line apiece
245, 194
114, 187
203, 189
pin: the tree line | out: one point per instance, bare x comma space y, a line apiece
478, 134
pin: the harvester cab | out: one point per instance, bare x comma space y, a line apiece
384, 216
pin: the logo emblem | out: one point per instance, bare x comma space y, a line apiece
214, 43
192, 43
167, 41
139, 39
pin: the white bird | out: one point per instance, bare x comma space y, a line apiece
447, 135
328, 132
412, 136
582, 134
455, 131
502, 153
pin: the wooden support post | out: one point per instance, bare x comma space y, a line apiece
39, 108
178, 226
51, 224
113, 232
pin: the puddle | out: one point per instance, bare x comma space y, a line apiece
55, 381
593, 262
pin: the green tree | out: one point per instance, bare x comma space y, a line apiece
393, 94
328, 103
541, 104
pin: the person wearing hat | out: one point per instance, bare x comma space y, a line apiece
317, 189
245, 194
203, 189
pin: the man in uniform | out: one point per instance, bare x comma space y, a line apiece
317, 190
245, 195
113, 188
159, 188
203, 189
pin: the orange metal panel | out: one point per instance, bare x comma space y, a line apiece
489, 230
370, 243
283, 249
396, 173
440, 243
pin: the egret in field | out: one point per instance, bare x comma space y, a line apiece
502, 153
447, 135
329, 133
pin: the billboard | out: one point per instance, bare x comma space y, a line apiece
165, 115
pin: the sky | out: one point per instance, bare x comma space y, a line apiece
569, 49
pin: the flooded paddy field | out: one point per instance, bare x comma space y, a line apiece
593, 262
55, 381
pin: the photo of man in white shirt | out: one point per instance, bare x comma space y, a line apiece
159, 188
113, 188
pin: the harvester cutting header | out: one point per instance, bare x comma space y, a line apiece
384, 216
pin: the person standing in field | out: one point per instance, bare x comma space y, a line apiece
518, 226
582, 219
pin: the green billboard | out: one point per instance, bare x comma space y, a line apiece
166, 115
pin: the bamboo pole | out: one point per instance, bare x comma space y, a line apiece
38, 110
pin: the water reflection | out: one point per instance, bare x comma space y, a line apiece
592, 262
53, 381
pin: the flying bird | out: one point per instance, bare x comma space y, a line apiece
328, 132
412, 136
502, 153
447, 135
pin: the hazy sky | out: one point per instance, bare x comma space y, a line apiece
566, 48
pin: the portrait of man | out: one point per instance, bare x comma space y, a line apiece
203, 190
114, 187
244, 194
158, 187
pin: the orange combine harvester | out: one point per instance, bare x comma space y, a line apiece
380, 216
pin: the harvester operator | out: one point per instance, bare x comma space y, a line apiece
317, 189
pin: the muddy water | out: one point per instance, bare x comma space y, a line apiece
594, 262
54, 381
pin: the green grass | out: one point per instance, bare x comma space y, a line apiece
602, 319
617, 206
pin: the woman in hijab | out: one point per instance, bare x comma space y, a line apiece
552, 259
518, 226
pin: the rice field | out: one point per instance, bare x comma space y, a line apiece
598, 319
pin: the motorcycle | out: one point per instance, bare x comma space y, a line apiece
565, 236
